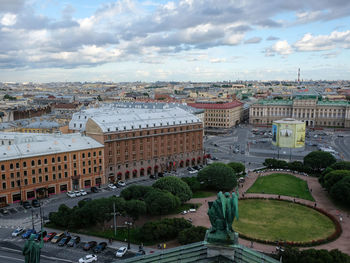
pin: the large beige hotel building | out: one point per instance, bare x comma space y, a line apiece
310, 109
143, 140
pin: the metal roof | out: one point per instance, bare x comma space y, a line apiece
24, 145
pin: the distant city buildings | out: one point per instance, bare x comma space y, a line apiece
308, 108
221, 114
40, 165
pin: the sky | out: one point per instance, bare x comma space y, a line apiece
185, 40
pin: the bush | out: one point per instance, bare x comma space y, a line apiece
238, 168
293, 255
333, 177
162, 230
192, 235
341, 191
192, 182
175, 186
218, 176
135, 192
319, 160
274, 163
161, 202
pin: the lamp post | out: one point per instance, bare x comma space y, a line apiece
128, 223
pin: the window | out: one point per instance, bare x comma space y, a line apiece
53, 159
33, 163
39, 162
33, 180
3, 185
65, 158
25, 181
39, 171
58, 159
17, 165
89, 154
74, 156
45, 161
66, 174
83, 155
11, 166
46, 169
2, 167
100, 153
33, 172
54, 176
12, 184
46, 178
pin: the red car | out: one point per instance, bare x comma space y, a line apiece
49, 236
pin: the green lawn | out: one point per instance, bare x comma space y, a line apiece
203, 194
281, 184
279, 220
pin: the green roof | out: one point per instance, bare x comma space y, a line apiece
334, 102
197, 252
275, 102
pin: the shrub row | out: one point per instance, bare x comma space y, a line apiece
338, 229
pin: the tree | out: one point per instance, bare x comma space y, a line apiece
192, 235
192, 182
340, 191
275, 163
238, 168
135, 192
333, 177
135, 208
319, 160
161, 202
218, 176
175, 186
343, 165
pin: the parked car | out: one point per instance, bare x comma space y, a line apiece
184, 212
193, 171
121, 252
160, 174
88, 259
38, 235
100, 247
77, 193
152, 176
89, 245
112, 186
18, 231
57, 238
94, 189
26, 205
4, 211
121, 184
73, 241
49, 236
28, 233
71, 194
64, 241
83, 192
35, 203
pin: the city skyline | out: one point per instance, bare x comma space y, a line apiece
44, 41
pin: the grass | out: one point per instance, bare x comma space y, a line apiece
281, 184
275, 220
203, 194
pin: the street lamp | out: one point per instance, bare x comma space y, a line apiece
128, 223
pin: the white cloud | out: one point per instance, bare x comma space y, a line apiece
8, 19
280, 47
218, 60
323, 42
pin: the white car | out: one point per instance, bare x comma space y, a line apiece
18, 231
77, 193
83, 192
112, 186
121, 183
193, 171
71, 194
121, 252
88, 259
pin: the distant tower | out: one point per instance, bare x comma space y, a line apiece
298, 75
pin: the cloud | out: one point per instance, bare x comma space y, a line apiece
253, 40
218, 60
150, 32
272, 38
323, 42
281, 47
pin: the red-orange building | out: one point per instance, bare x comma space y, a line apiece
141, 141
39, 165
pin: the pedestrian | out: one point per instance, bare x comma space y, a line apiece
311, 190
315, 205
341, 219
251, 244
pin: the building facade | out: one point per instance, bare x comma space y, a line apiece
140, 142
221, 115
39, 165
310, 109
